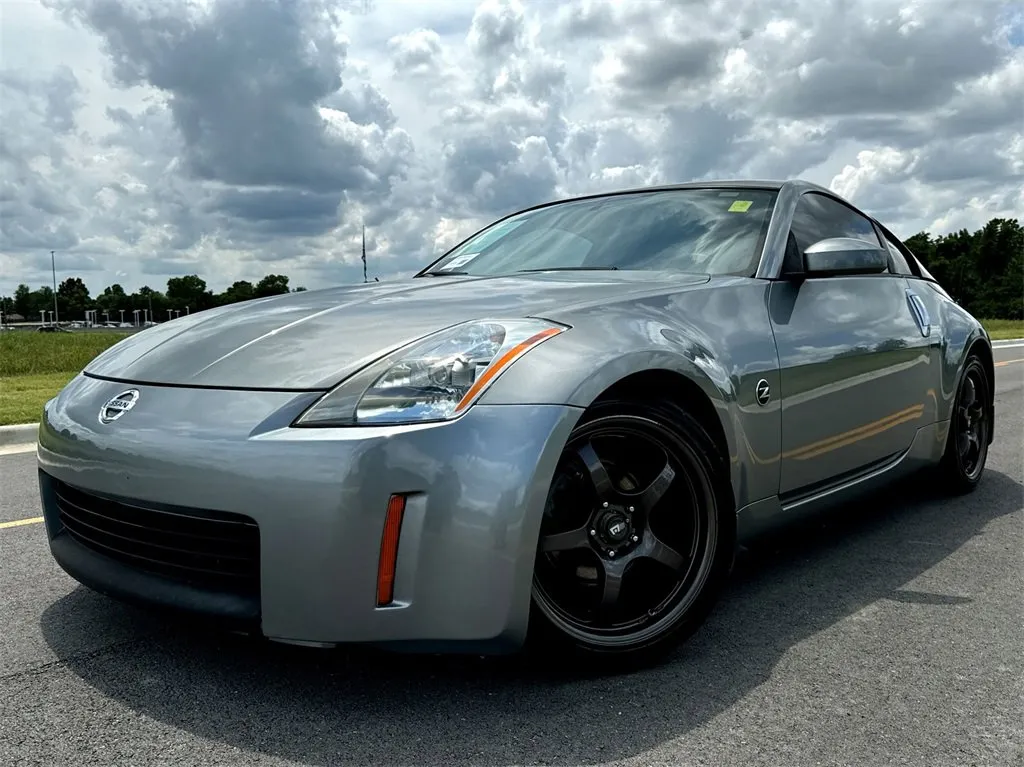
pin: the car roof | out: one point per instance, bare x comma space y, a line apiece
714, 184
775, 185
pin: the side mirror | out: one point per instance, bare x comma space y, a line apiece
844, 255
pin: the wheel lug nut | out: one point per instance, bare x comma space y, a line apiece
604, 505
593, 532
611, 553
635, 538
631, 509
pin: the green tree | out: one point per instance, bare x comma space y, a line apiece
189, 291
1000, 267
73, 299
983, 270
23, 301
240, 290
41, 300
149, 300
112, 299
271, 285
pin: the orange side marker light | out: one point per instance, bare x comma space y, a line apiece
388, 561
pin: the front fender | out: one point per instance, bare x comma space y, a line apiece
722, 356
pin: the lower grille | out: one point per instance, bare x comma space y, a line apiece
212, 550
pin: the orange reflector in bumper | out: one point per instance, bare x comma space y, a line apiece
389, 550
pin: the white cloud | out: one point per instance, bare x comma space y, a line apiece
232, 138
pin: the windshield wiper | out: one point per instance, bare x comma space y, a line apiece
441, 274
572, 269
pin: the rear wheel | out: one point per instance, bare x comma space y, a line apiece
637, 535
969, 428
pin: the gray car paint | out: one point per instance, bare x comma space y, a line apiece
313, 339
840, 354
855, 375
319, 497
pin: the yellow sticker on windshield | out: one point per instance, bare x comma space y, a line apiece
740, 206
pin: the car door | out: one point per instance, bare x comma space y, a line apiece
925, 302
853, 365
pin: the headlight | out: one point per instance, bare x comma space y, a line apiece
434, 379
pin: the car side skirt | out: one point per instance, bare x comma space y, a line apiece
772, 514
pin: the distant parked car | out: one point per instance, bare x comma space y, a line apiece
558, 431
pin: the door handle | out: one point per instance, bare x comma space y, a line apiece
920, 312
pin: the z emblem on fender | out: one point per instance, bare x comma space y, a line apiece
763, 392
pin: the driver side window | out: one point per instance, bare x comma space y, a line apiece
818, 217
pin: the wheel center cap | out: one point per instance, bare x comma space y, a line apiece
615, 527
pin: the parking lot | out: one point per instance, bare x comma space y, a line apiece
890, 633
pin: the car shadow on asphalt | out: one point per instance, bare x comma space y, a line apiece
352, 706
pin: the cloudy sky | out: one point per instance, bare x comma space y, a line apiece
232, 138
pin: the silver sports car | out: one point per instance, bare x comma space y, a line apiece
557, 433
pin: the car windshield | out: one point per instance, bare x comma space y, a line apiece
712, 231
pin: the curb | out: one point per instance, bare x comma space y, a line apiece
1007, 342
19, 434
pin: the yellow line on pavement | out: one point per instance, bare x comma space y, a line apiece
20, 522
1008, 362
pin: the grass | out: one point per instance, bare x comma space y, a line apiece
22, 397
25, 352
1001, 329
35, 366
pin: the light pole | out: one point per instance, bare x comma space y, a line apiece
53, 268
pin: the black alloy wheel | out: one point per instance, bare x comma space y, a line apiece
969, 429
636, 539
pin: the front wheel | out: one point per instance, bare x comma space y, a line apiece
637, 535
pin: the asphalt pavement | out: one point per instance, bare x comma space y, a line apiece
889, 634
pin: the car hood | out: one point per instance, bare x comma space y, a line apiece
312, 340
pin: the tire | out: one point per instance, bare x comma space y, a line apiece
671, 562
963, 460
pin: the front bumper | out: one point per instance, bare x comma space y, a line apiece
318, 497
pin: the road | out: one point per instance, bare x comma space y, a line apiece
890, 634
